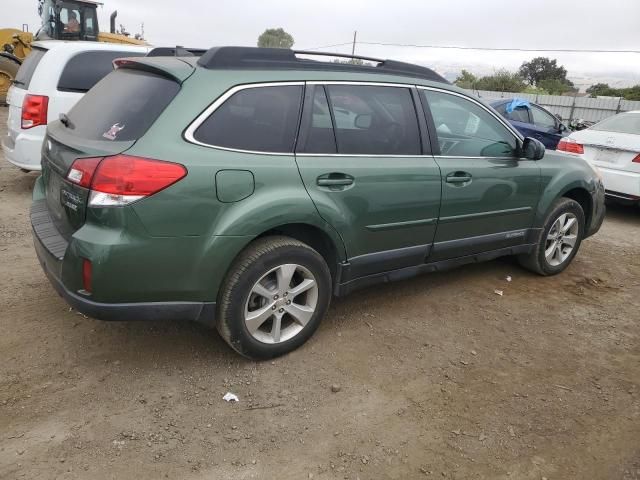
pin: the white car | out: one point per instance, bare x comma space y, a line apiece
613, 146
50, 81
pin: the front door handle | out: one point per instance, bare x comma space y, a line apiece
459, 177
334, 180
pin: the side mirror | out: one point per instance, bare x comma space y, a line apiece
532, 149
363, 121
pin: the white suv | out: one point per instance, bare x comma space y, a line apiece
51, 80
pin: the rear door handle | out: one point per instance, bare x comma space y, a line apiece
334, 180
459, 177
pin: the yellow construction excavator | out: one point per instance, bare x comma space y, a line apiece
60, 20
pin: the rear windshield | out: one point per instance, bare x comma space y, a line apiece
622, 123
86, 69
122, 106
25, 73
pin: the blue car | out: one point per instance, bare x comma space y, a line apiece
532, 120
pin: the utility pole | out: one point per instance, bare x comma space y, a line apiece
353, 48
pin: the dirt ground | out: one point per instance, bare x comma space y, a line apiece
439, 378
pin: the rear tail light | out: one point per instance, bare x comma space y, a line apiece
569, 145
123, 179
81, 171
636, 159
86, 275
34, 111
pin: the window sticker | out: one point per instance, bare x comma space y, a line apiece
112, 133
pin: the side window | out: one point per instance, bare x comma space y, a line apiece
70, 18
542, 119
374, 120
520, 114
86, 69
89, 27
317, 135
465, 129
262, 119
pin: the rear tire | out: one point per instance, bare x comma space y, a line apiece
559, 240
273, 297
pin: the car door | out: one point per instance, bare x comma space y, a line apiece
546, 127
489, 194
364, 163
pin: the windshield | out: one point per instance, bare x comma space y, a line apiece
622, 123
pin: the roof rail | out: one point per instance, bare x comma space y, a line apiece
253, 58
177, 51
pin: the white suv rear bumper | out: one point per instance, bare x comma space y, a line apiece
25, 152
620, 181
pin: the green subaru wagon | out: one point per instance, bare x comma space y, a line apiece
247, 187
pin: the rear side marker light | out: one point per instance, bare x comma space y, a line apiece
569, 145
636, 159
86, 275
34, 111
122, 179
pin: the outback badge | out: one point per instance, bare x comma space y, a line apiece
112, 133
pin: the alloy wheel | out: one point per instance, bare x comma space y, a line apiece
561, 239
281, 303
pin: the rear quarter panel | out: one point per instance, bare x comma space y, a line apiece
191, 208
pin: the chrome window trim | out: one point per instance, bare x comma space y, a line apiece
500, 119
199, 120
360, 82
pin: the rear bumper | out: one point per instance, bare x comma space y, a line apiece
621, 182
51, 259
24, 152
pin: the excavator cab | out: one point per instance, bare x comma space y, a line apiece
68, 20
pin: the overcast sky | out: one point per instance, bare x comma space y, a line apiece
582, 24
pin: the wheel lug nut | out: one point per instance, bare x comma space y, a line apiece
273, 308
286, 293
281, 310
275, 297
288, 302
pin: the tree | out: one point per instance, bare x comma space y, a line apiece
275, 38
602, 90
555, 86
540, 69
632, 93
501, 81
466, 79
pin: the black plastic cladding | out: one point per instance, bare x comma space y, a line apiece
284, 59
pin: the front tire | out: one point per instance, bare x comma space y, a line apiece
559, 239
273, 298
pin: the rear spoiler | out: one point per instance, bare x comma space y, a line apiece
177, 51
169, 67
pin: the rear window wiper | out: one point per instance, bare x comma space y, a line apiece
66, 122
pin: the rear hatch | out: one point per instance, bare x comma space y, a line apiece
19, 90
107, 121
